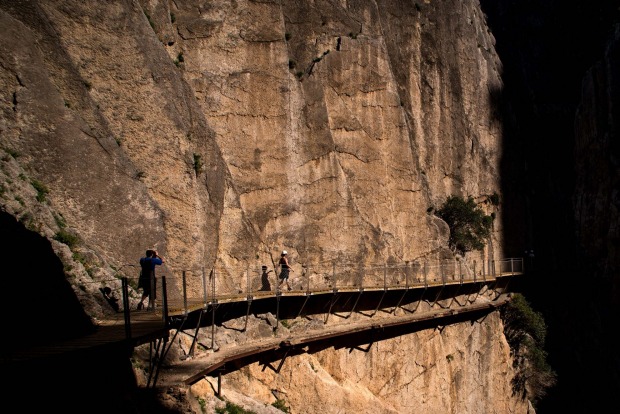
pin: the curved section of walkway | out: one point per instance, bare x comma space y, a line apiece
271, 352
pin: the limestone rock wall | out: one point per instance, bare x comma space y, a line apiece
460, 368
595, 202
596, 206
221, 132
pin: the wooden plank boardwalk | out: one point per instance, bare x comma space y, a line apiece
149, 326
193, 370
145, 327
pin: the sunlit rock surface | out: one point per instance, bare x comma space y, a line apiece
222, 132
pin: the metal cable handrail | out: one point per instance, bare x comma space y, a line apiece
184, 291
189, 289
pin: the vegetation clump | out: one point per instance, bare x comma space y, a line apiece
11, 152
67, 238
281, 405
42, 190
233, 409
525, 331
469, 226
180, 59
198, 165
151, 23
493, 199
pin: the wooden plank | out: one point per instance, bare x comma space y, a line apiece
145, 327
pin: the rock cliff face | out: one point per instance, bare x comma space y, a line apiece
460, 368
463, 367
221, 132
595, 208
228, 131
561, 92
595, 203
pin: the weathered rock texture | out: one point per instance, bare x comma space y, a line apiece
596, 208
230, 155
596, 155
222, 132
461, 367
561, 94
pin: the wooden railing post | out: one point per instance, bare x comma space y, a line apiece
164, 293
278, 297
407, 275
125, 289
185, 310
204, 287
214, 275
384, 276
213, 309
442, 272
475, 274
153, 295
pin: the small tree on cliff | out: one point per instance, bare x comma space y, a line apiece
525, 331
469, 226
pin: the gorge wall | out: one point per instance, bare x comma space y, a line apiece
462, 367
561, 95
364, 118
222, 132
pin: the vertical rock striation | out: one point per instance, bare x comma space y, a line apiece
221, 132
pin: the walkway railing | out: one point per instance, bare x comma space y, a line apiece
180, 292
186, 290
192, 289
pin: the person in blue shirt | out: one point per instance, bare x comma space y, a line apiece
147, 278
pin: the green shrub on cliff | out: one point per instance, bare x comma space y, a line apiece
281, 405
525, 331
232, 408
67, 238
42, 190
469, 226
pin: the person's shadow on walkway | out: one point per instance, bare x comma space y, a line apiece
265, 284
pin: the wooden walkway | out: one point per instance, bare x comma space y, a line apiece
113, 336
146, 326
278, 348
